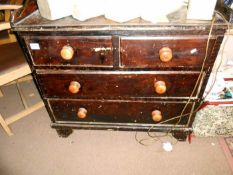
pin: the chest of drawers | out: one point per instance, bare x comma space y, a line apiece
133, 76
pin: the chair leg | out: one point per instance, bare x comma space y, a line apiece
5, 126
24, 113
5, 123
22, 97
1, 94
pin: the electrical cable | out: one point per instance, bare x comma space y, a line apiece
155, 137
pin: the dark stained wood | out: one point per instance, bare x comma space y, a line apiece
143, 53
64, 132
112, 85
29, 7
188, 30
11, 2
102, 26
116, 51
88, 51
117, 85
126, 127
181, 136
116, 111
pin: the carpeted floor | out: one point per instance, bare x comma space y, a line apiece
227, 147
36, 149
214, 121
229, 141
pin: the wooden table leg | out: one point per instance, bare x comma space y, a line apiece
5, 126
9, 120
1, 94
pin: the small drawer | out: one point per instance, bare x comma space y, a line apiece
117, 111
70, 51
117, 85
164, 52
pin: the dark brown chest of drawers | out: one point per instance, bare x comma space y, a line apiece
104, 75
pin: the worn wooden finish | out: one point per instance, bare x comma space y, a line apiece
29, 7
107, 85
144, 52
64, 132
122, 77
103, 26
116, 111
180, 133
87, 51
11, 2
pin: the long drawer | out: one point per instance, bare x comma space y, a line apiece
116, 111
77, 51
117, 85
164, 52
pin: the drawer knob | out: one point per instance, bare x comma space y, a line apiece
160, 87
82, 113
74, 87
67, 52
156, 115
165, 54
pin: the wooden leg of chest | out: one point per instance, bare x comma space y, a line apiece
180, 135
64, 132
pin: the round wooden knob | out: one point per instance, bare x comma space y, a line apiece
67, 52
82, 113
160, 87
156, 115
74, 87
165, 54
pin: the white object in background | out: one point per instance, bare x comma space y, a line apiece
228, 51
226, 58
85, 9
219, 85
201, 9
157, 10
221, 59
122, 10
167, 146
51, 9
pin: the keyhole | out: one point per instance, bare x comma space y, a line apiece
102, 57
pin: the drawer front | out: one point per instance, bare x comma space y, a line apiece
116, 111
116, 85
83, 51
185, 53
